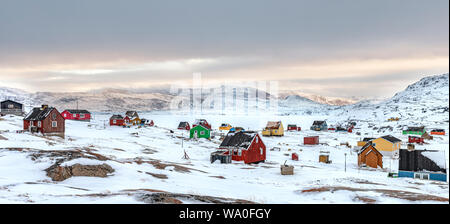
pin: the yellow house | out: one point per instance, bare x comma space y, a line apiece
132, 117
273, 128
364, 141
387, 143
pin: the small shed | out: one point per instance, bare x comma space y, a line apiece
311, 140
295, 156
220, 155
287, 169
324, 157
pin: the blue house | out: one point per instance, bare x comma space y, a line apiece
319, 125
422, 164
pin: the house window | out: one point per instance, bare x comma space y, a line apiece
202, 132
54, 116
39, 124
256, 139
81, 115
425, 176
239, 152
54, 124
114, 121
417, 175
10, 106
65, 115
261, 151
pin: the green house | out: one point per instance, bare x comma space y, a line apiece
414, 131
200, 131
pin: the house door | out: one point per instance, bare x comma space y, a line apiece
195, 134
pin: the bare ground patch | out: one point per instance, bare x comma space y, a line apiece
406, 195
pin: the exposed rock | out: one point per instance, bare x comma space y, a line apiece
60, 173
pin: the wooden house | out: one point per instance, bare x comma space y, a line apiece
46, 120
132, 118
364, 141
200, 131
414, 131
369, 156
11, 107
311, 140
244, 146
78, 115
415, 139
184, 125
202, 122
225, 127
437, 132
116, 120
273, 128
319, 126
292, 127
387, 144
422, 164
324, 157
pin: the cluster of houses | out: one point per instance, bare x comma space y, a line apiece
247, 146
131, 118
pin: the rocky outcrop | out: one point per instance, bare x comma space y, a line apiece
60, 173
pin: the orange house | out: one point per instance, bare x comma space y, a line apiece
368, 155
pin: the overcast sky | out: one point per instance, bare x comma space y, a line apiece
333, 48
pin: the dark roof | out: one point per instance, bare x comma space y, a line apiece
6, 101
415, 128
38, 114
318, 122
78, 111
200, 121
240, 139
367, 145
438, 130
116, 116
131, 113
183, 124
292, 125
367, 139
391, 138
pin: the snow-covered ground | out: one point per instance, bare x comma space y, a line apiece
24, 180
151, 159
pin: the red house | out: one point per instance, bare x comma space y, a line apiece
244, 146
184, 126
292, 127
414, 139
78, 115
311, 140
116, 120
46, 120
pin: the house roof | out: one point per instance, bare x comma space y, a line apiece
367, 139
6, 101
273, 124
131, 113
415, 128
72, 111
391, 138
292, 125
116, 116
318, 122
367, 145
200, 125
200, 121
183, 124
38, 114
240, 139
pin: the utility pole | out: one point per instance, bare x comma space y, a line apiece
345, 162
